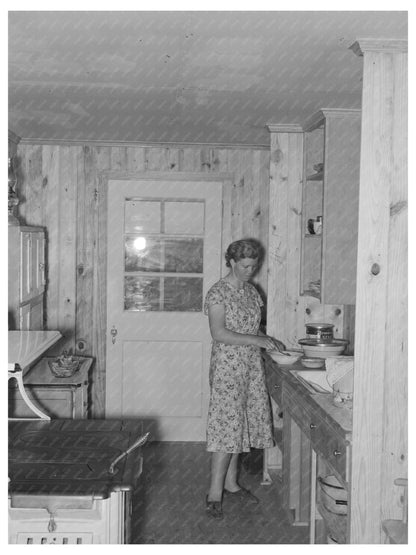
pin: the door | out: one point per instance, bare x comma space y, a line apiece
164, 252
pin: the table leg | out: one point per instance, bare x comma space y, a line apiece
17, 374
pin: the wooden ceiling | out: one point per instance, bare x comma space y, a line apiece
185, 77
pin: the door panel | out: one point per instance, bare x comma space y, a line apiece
163, 377
26, 266
164, 252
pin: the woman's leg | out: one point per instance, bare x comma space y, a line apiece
230, 482
219, 466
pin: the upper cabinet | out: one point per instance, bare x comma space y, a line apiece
330, 206
26, 277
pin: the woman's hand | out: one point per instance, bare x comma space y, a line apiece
279, 345
266, 342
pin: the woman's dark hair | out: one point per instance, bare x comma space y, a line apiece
244, 248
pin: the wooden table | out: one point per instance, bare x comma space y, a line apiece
24, 348
57, 397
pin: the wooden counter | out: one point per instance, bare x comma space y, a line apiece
340, 418
316, 440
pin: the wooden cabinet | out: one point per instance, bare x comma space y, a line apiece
316, 443
65, 398
26, 258
330, 193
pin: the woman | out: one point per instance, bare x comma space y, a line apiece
239, 415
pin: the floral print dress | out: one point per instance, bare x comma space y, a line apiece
239, 414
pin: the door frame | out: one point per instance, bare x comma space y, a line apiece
100, 268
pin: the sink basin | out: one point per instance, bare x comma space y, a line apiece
314, 380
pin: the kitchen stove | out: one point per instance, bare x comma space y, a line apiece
71, 481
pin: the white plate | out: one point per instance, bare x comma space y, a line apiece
312, 362
316, 379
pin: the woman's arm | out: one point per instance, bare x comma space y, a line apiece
278, 344
216, 315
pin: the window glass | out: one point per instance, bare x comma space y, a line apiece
184, 218
163, 237
142, 215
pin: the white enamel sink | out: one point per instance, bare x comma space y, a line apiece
315, 380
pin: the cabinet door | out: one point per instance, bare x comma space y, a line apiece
24, 317
38, 262
330, 189
31, 315
26, 264
340, 228
36, 315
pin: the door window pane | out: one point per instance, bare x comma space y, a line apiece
142, 254
184, 218
184, 255
183, 294
142, 216
141, 293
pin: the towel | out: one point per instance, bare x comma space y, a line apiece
338, 367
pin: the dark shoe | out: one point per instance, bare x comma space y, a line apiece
214, 508
243, 494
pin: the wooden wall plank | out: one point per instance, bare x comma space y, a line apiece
135, 161
156, 159
221, 165
234, 166
173, 160
86, 210
294, 231
31, 206
118, 157
100, 289
278, 240
51, 222
191, 160
380, 293
395, 429
67, 209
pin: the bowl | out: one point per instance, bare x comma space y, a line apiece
312, 362
63, 369
284, 359
313, 348
333, 496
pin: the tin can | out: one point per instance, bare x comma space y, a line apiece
323, 333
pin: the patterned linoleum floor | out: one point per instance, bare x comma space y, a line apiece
169, 504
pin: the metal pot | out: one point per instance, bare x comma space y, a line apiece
323, 333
